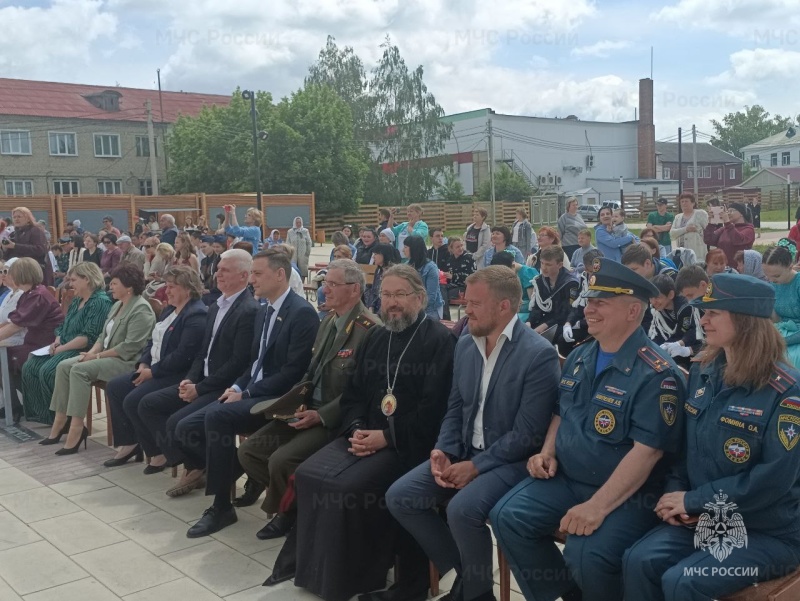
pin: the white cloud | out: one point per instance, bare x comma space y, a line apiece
743, 18
601, 49
759, 65
37, 40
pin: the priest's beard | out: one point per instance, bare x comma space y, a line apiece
398, 324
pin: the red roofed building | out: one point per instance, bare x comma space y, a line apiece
58, 138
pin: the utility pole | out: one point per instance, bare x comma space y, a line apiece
491, 171
251, 96
694, 158
151, 139
680, 162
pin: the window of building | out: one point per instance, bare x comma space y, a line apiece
14, 141
63, 144
109, 186
19, 187
755, 161
106, 145
145, 187
785, 160
667, 172
690, 173
719, 174
66, 187
143, 146
704, 173
732, 174
773, 159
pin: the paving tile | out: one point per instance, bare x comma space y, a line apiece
188, 508
126, 568
242, 535
112, 504
7, 593
178, 589
14, 533
81, 485
14, 480
87, 589
218, 568
37, 504
37, 567
268, 557
158, 532
77, 533
3, 464
132, 479
285, 591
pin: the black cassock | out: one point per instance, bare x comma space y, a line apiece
346, 537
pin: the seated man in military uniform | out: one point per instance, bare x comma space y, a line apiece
271, 455
602, 465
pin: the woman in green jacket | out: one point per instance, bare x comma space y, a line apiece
124, 335
84, 321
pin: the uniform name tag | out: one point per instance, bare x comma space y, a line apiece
604, 399
738, 424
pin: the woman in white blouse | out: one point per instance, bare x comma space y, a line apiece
10, 303
687, 227
164, 363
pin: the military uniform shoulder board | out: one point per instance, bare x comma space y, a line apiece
653, 359
781, 380
364, 321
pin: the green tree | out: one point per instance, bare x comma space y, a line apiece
507, 186
311, 149
409, 135
450, 188
213, 151
742, 128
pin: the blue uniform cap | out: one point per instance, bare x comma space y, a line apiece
611, 278
738, 294
220, 239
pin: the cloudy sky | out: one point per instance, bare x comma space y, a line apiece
531, 57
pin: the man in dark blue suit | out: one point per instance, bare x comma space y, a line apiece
503, 395
285, 330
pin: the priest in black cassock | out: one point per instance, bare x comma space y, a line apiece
391, 411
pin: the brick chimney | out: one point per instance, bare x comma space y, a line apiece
647, 131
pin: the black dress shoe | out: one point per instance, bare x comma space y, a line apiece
135, 452
154, 469
286, 562
252, 490
214, 519
277, 527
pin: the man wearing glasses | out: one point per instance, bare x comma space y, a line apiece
272, 454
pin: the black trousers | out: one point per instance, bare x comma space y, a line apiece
161, 411
123, 406
208, 439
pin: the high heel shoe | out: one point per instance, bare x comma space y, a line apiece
73, 450
57, 439
137, 452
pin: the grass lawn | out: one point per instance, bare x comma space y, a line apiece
775, 215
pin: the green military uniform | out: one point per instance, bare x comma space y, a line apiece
271, 455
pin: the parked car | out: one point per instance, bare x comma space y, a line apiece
588, 212
613, 204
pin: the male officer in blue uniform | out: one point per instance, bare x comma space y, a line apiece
732, 505
602, 465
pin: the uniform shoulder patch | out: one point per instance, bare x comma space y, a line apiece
653, 359
365, 322
791, 402
781, 380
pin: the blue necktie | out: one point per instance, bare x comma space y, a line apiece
258, 368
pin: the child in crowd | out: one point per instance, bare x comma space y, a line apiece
526, 276
620, 229
574, 330
554, 291
584, 246
716, 262
672, 324
692, 282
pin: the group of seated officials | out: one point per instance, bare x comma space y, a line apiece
405, 442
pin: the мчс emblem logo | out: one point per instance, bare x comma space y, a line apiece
737, 450
720, 534
604, 421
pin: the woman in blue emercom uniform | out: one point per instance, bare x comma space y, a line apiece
731, 508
